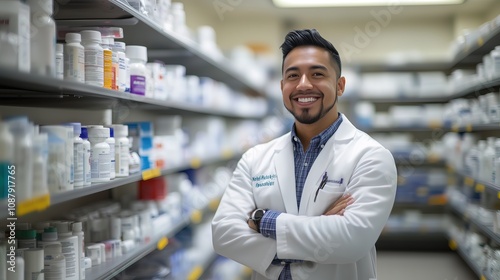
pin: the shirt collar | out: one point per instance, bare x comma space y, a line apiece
324, 136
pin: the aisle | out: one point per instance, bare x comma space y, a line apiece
422, 266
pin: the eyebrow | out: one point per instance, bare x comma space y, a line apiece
313, 67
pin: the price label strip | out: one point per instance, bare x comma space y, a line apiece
35, 204
151, 173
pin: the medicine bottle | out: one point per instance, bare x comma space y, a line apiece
74, 58
111, 142
43, 38
33, 263
495, 60
26, 238
22, 130
69, 245
114, 63
86, 157
6, 158
54, 262
121, 71
60, 61
15, 17
100, 162
40, 168
138, 56
108, 63
77, 230
94, 57
18, 273
78, 151
121, 150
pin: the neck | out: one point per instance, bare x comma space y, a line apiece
306, 132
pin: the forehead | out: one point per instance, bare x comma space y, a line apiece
307, 56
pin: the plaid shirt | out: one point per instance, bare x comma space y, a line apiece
303, 164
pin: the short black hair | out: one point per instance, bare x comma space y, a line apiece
309, 37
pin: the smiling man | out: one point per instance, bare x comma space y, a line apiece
312, 203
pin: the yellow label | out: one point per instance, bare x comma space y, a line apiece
453, 244
151, 173
196, 273
480, 41
108, 69
498, 195
227, 154
196, 216
479, 188
454, 128
435, 125
214, 203
468, 181
422, 191
483, 277
35, 204
162, 243
433, 158
468, 128
195, 163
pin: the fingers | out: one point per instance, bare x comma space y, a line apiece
338, 208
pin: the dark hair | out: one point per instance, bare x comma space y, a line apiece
310, 37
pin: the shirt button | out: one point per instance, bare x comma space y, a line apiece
283, 263
295, 138
305, 163
322, 146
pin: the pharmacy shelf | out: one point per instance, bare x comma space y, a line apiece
485, 229
397, 129
437, 128
476, 89
138, 29
478, 185
62, 197
405, 100
473, 53
23, 89
116, 265
472, 264
200, 269
426, 66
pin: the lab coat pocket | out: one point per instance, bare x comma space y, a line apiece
328, 195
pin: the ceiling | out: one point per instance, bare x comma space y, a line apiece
265, 8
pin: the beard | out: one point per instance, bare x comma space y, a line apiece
306, 117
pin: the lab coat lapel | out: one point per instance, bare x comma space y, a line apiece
320, 165
285, 171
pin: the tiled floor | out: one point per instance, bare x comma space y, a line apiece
422, 266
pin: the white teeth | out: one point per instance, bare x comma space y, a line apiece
307, 99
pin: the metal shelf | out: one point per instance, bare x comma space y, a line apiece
473, 53
475, 90
138, 29
114, 266
479, 184
403, 67
23, 89
472, 264
486, 230
405, 100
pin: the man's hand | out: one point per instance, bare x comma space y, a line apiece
339, 206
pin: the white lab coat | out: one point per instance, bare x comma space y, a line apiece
333, 247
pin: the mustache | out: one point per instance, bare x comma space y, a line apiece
304, 93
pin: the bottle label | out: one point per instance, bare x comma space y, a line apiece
138, 84
94, 67
79, 163
121, 161
108, 69
74, 64
100, 164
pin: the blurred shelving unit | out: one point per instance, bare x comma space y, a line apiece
33, 91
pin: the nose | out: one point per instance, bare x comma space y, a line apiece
304, 83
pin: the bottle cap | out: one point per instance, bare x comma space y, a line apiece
119, 46
41, 5
77, 227
98, 132
77, 128
137, 52
26, 234
111, 132
91, 35
73, 37
49, 235
84, 134
120, 130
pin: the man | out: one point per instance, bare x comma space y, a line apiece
312, 203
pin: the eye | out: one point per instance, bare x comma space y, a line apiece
318, 74
292, 76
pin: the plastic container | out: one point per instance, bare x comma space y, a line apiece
26, 238
121, 71
111, 142
121, 150
108, 62
54, 262
40, 168
33, 263
74, 58
77, 229
86, 157
69, 245
78, 151
61, 158
138, 56
43, 38
94, 57
495, 60
6, 157
16, 23
115, 64
22, 131
100, 162
178, 17
60, 61
18, 273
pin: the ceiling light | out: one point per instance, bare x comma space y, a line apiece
351, 3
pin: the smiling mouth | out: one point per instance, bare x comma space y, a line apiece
306, 99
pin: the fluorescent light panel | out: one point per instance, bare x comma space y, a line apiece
349, 3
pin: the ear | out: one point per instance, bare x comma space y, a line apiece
340, 86
281, 85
